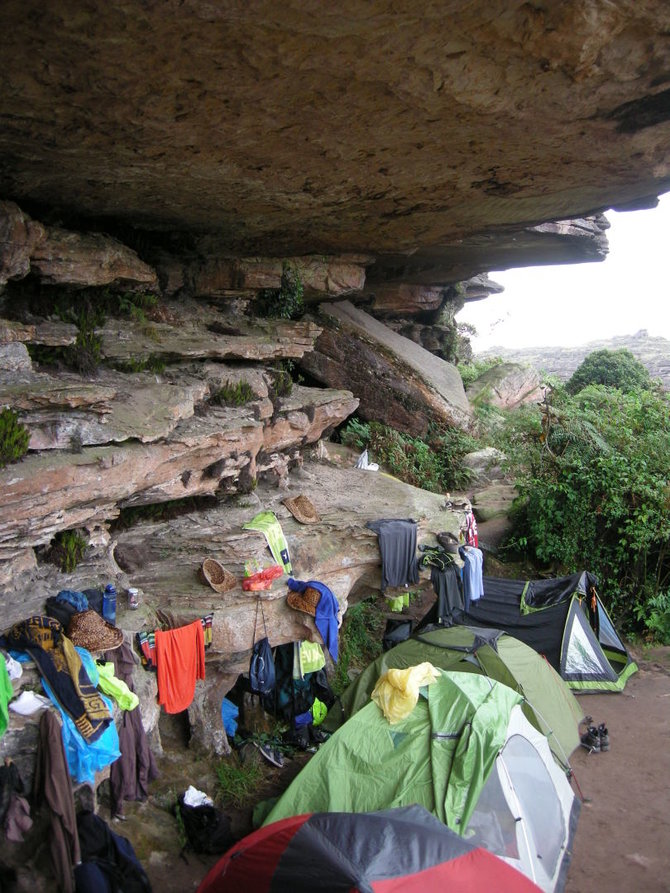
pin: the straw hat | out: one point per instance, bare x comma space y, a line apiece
214, 573
304, 601
89, 630
301, 509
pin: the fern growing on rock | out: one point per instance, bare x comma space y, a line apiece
14, 438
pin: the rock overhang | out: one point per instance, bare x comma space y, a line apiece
297, 129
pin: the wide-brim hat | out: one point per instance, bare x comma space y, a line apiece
305, 601
216, 575
302, 509
91, 631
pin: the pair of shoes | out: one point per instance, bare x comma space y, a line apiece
271, 754
591, 740
604, 736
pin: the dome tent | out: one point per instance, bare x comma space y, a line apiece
565, 620
548, 703
468, 755
405, 848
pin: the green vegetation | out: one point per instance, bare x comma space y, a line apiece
153, 363
238, 782
282, 380
472, 370
285, 302
592, 470
67, 550
14, 438
233, 394
432, 463
612, 368
360, 640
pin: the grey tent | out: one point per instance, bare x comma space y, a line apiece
562, 618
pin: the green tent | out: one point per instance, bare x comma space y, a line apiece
548, 703
468, 755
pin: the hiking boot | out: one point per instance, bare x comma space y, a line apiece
591, 740
604, 736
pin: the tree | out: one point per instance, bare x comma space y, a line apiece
612, 368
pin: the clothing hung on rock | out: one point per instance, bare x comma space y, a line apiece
85, 758
473, 583
471, 533
130, 775
448, 588
52, 786
180, 661
326, 612
267, 523
397, 544
60, 665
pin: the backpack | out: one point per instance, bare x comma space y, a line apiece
206, 827
261, 665
262, 668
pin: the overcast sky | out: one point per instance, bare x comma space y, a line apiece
571, 305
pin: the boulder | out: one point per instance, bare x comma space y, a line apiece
506, 385
399, 382
484, 465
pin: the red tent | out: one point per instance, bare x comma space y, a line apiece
405, 849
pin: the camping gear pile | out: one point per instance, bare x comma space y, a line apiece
467, 721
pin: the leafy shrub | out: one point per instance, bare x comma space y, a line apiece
432, 463
655, 615
360, 640
355, 434
14, 438
285, 302
592, 471
233, 394
612, 368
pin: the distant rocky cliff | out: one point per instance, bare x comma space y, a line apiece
652, 352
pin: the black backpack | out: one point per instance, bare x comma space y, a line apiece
261, 665
207, 828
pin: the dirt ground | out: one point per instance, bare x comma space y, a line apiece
623, 834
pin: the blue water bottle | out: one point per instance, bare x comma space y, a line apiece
109, 603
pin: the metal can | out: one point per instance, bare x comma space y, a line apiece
133, 598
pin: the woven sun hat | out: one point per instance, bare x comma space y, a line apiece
90, 631
302, 509
214, 573
305, 601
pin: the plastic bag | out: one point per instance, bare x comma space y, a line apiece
397, 691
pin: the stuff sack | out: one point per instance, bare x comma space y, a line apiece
396, 631
262, 668
207, 828
109, 863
